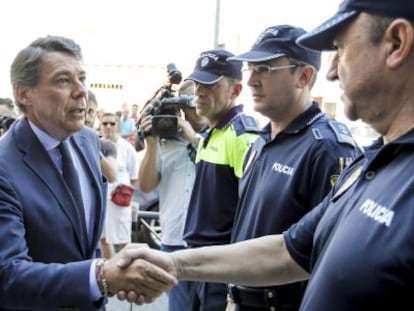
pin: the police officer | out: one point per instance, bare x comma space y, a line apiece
356, 246
297, 159
219, 162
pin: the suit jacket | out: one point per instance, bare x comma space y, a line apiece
45, 255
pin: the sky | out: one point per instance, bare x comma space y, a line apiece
148, 34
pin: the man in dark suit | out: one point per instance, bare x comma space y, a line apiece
52, 207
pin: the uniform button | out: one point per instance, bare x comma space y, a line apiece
269, 295
370, 175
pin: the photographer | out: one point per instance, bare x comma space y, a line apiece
168, 165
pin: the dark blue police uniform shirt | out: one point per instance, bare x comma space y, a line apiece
359, 242
289, 175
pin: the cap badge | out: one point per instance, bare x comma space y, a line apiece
204, 61
272, 31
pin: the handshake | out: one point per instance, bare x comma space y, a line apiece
137, 274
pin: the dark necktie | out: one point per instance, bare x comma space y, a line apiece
70, 175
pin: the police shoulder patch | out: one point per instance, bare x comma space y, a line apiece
342, 133
249, 123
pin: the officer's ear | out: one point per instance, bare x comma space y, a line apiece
399, 41
237, 88
307, 76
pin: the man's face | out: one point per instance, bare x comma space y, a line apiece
215, 100
125, 110
273, 91
358, 64
91, 113
57, 103
109, 127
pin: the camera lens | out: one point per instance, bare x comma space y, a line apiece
164, 126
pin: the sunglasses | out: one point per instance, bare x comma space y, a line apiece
108, 123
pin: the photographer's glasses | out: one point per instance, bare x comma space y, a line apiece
266, 70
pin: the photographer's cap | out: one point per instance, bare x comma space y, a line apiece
211, 66
279, 41
321, 38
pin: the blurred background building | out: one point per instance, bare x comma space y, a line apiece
127, 44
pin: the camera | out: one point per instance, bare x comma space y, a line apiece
165, 106
165, 111
6, 122
179, 102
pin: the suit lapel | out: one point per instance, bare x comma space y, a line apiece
39, 161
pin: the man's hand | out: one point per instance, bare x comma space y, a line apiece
185, 130
143, 280
136, 252
146, 126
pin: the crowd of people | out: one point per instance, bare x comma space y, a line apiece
292, 215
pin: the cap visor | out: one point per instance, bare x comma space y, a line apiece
321, 38
255, 56
204, 77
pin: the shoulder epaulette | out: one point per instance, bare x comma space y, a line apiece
249, 123
342, 133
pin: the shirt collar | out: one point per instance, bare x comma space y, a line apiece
45, 139
305, 119
229, 116
378, 154
301, 122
